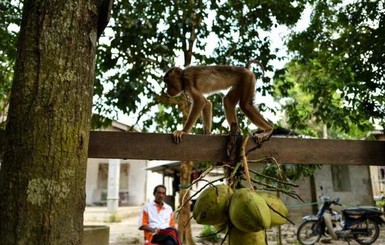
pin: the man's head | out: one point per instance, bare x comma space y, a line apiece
159, 193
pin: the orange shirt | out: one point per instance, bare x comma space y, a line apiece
156, 216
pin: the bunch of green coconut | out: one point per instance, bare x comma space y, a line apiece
244, 212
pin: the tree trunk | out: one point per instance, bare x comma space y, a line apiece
42, 179
184, 225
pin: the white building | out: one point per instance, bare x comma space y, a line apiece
124, 182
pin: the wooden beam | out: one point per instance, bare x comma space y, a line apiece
153, 146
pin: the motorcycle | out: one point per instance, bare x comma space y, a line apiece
361, 223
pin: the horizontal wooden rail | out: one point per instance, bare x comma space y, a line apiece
154, 146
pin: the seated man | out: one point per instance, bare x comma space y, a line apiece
157, 220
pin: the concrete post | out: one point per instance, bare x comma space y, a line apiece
113, 185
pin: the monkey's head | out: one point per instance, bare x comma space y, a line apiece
173, 80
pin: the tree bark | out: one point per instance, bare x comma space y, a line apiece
42, 178
184, 224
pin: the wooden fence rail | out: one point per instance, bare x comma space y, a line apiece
154, 146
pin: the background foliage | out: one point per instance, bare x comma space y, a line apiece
9, 23
147, 38
336, 76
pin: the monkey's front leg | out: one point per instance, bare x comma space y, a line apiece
178, 136
198, 104
207, 117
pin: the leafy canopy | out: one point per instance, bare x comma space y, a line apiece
339, 64
148, 37
9, 23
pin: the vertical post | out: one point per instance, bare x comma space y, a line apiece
113, 185
381, 182
234, 143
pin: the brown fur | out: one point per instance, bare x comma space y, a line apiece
196, 81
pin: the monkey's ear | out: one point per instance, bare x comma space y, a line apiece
177, 71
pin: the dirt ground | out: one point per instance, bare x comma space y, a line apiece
124, 231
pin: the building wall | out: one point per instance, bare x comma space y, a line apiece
358, 186
137, 182
92, 192
132, 180
357, 183
297, 208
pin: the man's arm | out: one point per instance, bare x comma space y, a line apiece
144, 223
149, 229
172, 220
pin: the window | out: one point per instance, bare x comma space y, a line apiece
340, 178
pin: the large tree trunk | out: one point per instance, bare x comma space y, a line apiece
42, 177
184, 225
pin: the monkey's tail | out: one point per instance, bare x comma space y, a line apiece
256, 62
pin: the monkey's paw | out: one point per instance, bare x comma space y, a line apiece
262, 137
178, 136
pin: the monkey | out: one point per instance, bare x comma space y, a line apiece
196, 81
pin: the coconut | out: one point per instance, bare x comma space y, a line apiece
249, 211
278, 210
237, 236
212, 205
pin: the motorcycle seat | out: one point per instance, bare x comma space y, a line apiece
360, 210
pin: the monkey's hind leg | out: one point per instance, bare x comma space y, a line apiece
259, 138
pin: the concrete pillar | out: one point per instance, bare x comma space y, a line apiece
113, 185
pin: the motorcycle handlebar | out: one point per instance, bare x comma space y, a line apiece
332, 201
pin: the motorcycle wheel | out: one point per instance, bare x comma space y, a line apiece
309, 232
373, 232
